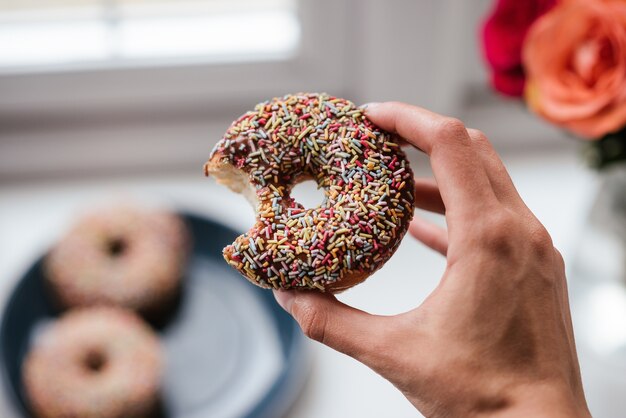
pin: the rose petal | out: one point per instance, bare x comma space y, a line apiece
600, 124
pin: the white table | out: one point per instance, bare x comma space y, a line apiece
555, 185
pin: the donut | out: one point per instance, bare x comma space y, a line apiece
364, 174
119, 255
100, 362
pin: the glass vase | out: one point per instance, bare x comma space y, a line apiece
597, 279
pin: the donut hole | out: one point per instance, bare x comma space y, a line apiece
95, 361
116, 247
308, 194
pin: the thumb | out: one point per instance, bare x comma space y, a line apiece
368, 338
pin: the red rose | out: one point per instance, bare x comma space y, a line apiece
503, 36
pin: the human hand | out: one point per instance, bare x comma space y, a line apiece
495, 337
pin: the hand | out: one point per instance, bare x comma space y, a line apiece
495, 337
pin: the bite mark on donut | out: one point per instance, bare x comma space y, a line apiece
235, 179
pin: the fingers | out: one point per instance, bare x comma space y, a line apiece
499, 178
431, 235
427, 195
462, 180
348, 330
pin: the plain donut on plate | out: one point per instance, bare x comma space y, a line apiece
101, 362
120, 255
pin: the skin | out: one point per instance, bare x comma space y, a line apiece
495, 338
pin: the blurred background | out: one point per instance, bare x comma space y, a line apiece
149, 85
108, 98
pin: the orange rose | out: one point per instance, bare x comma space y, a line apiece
575, 60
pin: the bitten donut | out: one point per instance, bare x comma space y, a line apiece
365, 176
119, 255
101, 362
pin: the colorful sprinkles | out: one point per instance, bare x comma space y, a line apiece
364, 174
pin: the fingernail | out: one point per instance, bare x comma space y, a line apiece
367, 105
284, 299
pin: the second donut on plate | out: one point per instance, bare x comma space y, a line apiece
101, 362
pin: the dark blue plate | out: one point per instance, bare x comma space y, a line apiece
231, 351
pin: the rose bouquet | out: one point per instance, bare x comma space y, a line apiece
567, 58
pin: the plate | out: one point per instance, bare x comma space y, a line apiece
231, 351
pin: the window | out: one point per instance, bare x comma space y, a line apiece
90, 58
40, 34
150, 83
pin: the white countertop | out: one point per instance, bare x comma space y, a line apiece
555, 185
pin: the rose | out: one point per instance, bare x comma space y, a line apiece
503, 35
575, 61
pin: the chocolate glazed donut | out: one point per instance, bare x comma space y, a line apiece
365, 176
